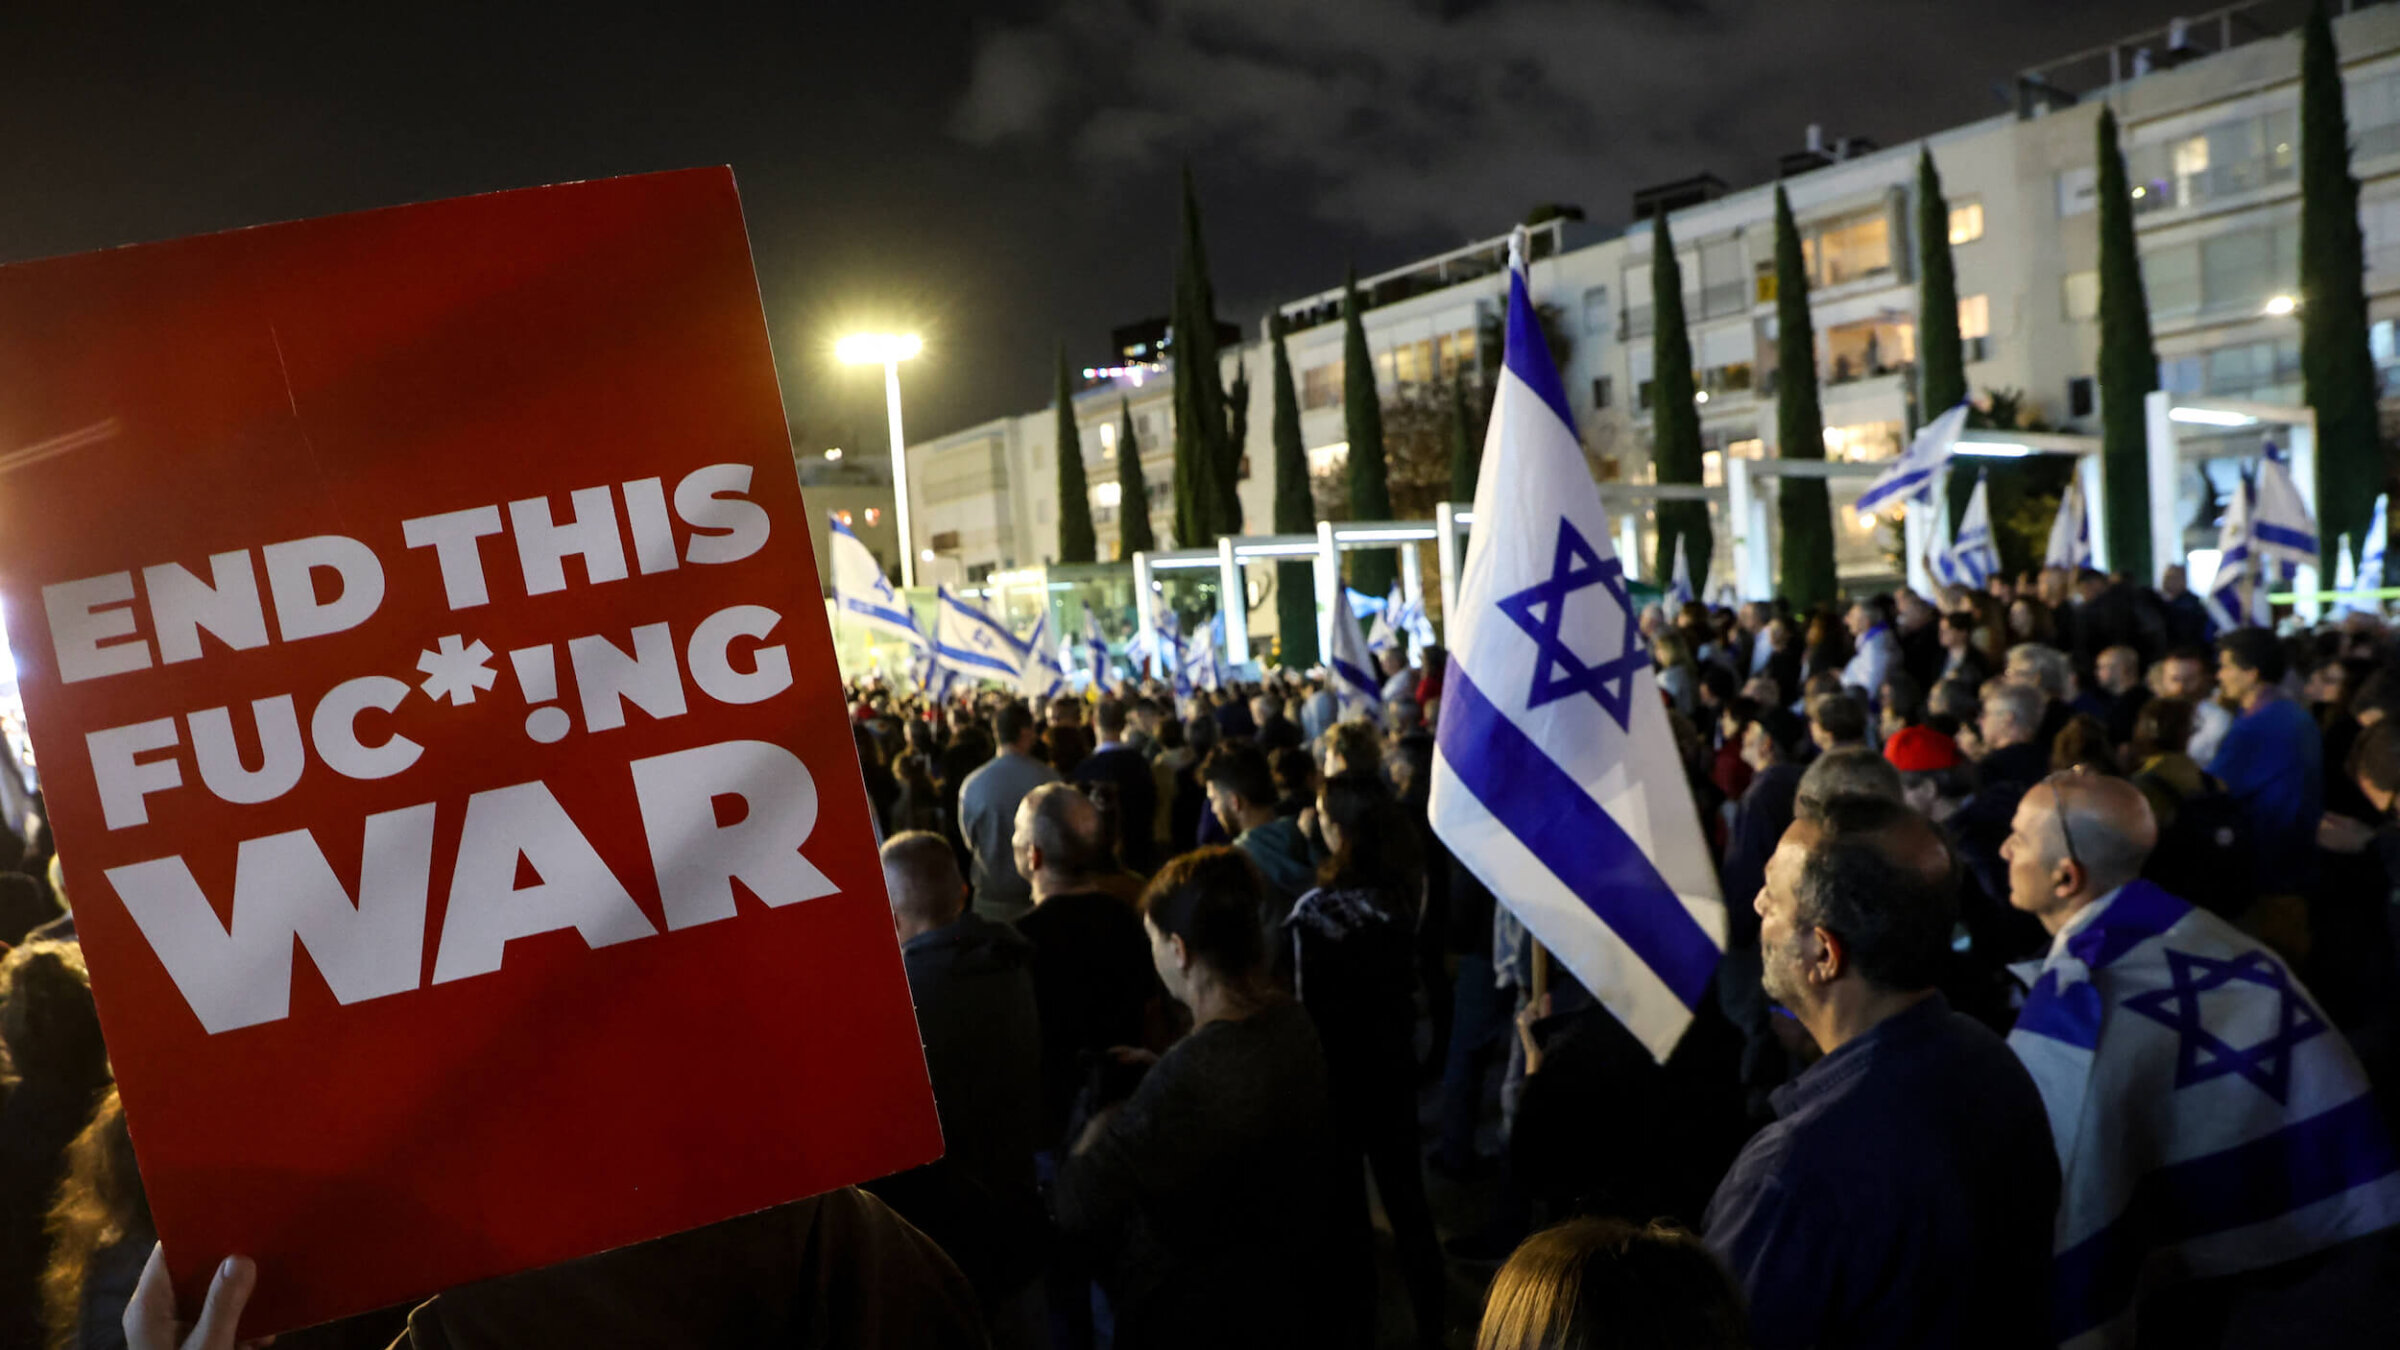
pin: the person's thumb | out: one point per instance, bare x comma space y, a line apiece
227, 1294
150, 1313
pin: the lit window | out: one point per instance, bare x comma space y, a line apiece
1966, 222
1328, 458
1108, 436
1975, 316
1321, 386
1107, 495
2082, 294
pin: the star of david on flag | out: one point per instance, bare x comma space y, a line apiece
1556, 778
2207, 1119
973, 643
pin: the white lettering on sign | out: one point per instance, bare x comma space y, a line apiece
226, 604
292, 575
87, 620
238, 973
283, 890
452, 537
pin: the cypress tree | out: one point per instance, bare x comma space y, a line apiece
1295, 513
1371, 570
2128, 369
1941, 353
2337, 373
1466, 444
1199, 391
1803, 508
1674, 419
1237, 438
1134, 534
1076, 541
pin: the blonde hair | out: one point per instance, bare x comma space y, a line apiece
1604, 1284
100, 1205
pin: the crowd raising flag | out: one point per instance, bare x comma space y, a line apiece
861, 592
1913, 476
1352, 665
2359, 596
1679, 580
2071, 531
1556, 778
973, 643
1203, 668
1095, 648
2247, 1157
1971, 558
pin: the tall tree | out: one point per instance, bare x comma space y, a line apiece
1466, 442
1371, 570
1674, 414
1134, 534
1237, 445
1941, 353
2337, 372
1803, 508
1295, 513
1076, 541
1200, 431
2128, 369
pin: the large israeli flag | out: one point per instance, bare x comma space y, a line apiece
1351, 665
861, 593
2359, 596
2237, 594
973, 643
1913, 476
2209, 1119
1973, 559
1679, 582
2281, 530
2070, 531
1556, 778
1042, 676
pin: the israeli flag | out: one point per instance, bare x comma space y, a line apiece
932, 676
1095, 649
1679, 582
1382, 634
1413, 622
2237, 595
973, 643
1355, 685
2071, 532
2209, 1119
1913, 476
2281, 530
1043, 676
1973, 560
860, 590
1556, 778
2359, 596
1203, 667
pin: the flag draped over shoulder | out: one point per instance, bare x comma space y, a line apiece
860, 590
974, 644
2209, 1119
1556, 777
1349, 660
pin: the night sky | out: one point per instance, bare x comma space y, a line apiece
1000, 177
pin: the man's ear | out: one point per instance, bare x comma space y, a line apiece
1830, 960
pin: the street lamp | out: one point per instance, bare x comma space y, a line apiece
889, 350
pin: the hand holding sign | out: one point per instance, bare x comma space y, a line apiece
422, 643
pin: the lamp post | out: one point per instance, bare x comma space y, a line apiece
889, 350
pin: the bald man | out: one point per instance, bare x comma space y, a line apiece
1092, 975
2211, 1121
972, 980
1904, 1194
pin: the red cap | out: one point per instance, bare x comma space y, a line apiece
1921, 750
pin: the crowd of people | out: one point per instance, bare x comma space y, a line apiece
1206, 1003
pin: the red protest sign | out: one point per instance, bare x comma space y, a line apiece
420, 639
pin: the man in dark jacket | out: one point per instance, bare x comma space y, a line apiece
1127, 772
1771, 747
972, 980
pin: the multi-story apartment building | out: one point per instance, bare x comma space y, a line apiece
2209, 121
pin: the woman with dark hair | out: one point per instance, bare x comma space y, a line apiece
1190, 819
100, 1234
1211, 1199
1603, 1284
51, 1035
1352, 943
2083, 744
